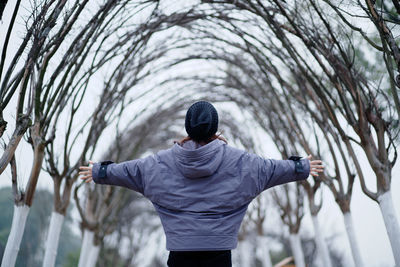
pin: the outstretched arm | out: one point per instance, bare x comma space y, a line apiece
276, 172
129, 174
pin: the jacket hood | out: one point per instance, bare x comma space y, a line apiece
195, 161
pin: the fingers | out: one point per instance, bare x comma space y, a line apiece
315, 170
85, 168
315, 162
86, 172
316, 167
87, 177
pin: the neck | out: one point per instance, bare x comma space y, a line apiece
202, 143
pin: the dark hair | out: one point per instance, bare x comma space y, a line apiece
212, 138
201, 121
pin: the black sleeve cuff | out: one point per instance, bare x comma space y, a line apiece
298, 166
103, 168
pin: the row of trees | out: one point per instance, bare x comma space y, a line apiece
69, 50
336, 98
314, 84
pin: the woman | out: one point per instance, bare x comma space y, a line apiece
201, 188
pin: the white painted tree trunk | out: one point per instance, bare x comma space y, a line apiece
391, 223
87, 244
236, 256
53, 236
321, 244
262, 251
246, 254
348, 222
297, 251
93, 256
15, 237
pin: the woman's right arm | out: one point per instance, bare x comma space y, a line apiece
128, 174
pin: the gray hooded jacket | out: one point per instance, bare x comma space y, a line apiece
201, 193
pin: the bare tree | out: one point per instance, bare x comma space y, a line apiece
69, 82
105, 203
290, 203
30, 79
111, 104
355, 99
256, 216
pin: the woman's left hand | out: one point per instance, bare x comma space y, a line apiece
86, 171
315, 166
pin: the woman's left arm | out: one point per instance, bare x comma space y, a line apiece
284, 171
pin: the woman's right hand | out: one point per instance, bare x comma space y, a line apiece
86, 171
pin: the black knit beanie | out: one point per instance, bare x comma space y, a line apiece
201, 121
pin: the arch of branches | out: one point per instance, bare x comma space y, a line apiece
113, 79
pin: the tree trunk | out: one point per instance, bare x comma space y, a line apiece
2, 7
348, 222
246, 253
93, 256
15, 236
262, 251
53, 236
321, 244
297, 251
391, 222
87, 243
34, 176
20, 129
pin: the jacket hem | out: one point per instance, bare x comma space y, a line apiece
200, 243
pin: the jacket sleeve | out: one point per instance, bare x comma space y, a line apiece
129, 174
273, 172
265, 173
